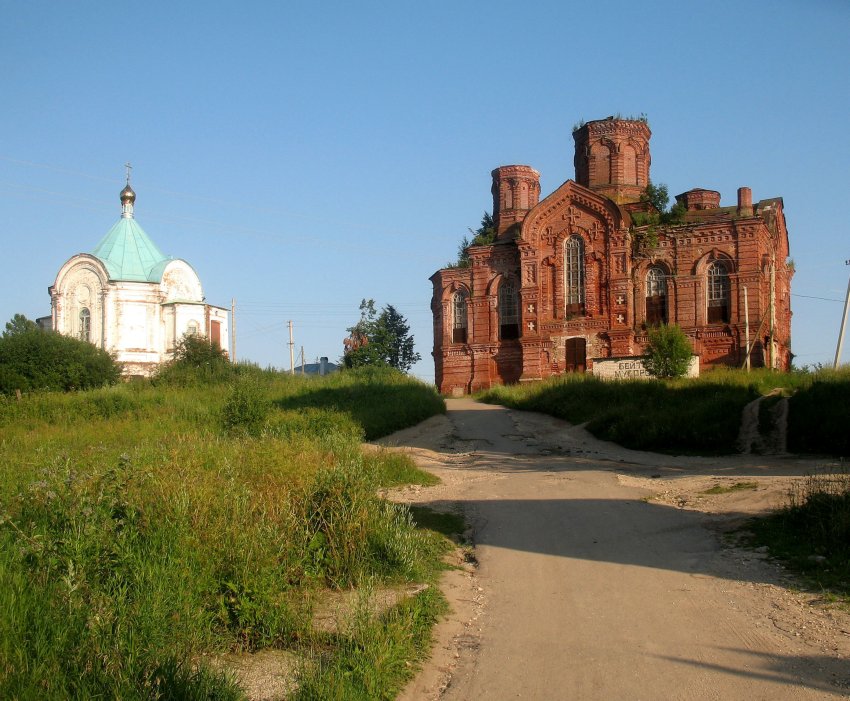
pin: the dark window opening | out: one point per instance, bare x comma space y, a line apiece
459, 317
718, 294
574, 276
656, 297
508, 312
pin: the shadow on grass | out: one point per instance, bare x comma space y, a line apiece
380, 409
449, 524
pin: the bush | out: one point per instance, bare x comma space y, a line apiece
668, 353
196, 361
43, 360
246, 409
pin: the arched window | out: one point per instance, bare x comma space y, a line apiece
459, 318
656, 296
574, 275
718, 293
85, 324
508, 312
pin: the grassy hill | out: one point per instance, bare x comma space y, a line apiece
147, 527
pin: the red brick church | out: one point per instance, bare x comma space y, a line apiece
580, 275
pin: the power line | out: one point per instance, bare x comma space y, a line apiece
824, 299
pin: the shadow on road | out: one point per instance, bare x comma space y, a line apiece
620, 531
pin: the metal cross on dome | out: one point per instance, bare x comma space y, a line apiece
129, 168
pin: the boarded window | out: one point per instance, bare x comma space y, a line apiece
215, 333
629, 166
459, 317
600, 164
575, 359
574, 275
508, 312
718, 293
656, 296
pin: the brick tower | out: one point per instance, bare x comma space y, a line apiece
516, 189
612, 157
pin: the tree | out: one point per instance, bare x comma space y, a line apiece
486, 233
34, 359
656, 195
668, 353
380, 339
482, 236
646, 237
19, 324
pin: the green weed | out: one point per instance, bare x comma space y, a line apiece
812, 533
728, 489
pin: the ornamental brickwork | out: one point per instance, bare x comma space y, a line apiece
578, 275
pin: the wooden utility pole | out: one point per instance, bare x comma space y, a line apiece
302, 360
233, 330
843, 323
773, 312
291, 351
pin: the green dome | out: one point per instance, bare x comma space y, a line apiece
129, 254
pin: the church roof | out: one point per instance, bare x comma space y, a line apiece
129, 254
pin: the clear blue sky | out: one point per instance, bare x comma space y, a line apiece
302, 156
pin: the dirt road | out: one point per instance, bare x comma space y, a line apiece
604, 573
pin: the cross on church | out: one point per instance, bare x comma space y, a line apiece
594, 230
621, 319
129, 168
621, 299
573, 215
530, 309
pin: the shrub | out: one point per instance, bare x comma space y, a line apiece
196, 361
668, 352
34, 360
246, 409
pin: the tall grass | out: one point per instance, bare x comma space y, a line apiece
819, 416
812, 532
668, 416
143, 527
700, 415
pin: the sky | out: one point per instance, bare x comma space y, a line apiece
305, 156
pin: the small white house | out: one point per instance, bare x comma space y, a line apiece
130, 299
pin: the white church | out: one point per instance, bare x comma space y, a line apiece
130, 299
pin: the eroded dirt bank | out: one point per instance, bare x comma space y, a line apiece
604, 573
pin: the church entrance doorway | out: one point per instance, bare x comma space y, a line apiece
575, 359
